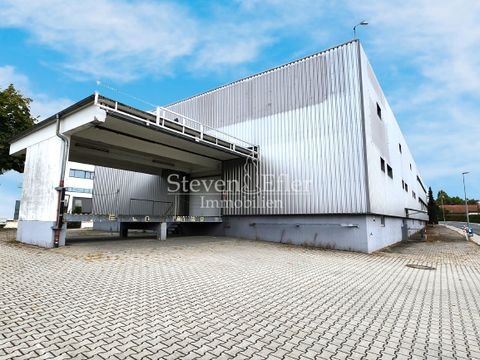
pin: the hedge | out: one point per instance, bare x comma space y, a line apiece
461, 217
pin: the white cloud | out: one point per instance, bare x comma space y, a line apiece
111, 39
230, 45
42, 105
123, 40
8, 75
439, 104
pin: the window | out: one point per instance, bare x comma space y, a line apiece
382, 164
382, 220
400, 148
410, 167
403, 184
390, 171
414, 195
406, 187
81, 174
78, 190
379, 111
82, 205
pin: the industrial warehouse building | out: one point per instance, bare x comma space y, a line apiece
305, 153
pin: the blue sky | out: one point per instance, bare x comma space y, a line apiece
425, 54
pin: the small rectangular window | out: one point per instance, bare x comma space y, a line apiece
382, 220
406, 187
71, 173
79, 174
390, 171
379, 111
400, 148
382, 164
403, 184
410, 166
414, 195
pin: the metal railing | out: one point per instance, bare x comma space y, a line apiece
180, 124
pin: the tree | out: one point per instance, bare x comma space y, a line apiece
454, 200
432, 208
15, 117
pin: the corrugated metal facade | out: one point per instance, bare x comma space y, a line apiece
122, 192
306, 117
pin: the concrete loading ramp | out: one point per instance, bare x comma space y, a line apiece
101, 131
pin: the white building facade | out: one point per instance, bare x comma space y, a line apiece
79, 187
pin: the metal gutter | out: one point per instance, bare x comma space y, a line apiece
61, 187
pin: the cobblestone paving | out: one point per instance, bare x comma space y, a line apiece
207, 298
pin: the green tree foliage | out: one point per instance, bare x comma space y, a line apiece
432, 208
14, 118
455, 200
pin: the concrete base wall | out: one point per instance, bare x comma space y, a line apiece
113, 226
201, 229
333, 232
38, 233
363, 233
381, 236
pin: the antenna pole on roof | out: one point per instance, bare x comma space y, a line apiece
111, 88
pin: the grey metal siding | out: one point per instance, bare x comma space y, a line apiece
306, 118
123, 192
204, 202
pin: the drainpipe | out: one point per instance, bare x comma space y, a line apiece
61, 187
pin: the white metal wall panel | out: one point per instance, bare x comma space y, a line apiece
39, 198
387, 196
306, 118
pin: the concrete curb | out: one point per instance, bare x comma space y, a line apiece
475, 238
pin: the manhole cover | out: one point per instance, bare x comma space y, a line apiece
421, 267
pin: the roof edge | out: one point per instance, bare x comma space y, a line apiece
52, 119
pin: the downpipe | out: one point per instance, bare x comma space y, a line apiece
61, 187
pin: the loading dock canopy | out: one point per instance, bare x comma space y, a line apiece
105, 132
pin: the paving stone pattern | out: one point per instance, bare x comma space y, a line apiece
221, 298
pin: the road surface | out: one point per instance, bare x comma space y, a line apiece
460, 225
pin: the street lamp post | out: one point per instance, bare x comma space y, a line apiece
362, 23
466, 201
